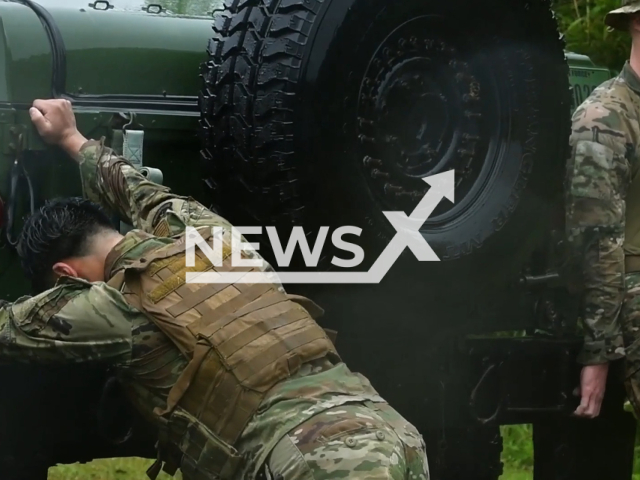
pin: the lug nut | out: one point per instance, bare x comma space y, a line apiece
390, 189
371, 162
379, 174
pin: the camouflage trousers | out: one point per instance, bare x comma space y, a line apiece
354, 441
630, 319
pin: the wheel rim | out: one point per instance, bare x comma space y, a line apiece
422, 111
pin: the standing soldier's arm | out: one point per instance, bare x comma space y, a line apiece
74, 322
112, 181
597, 180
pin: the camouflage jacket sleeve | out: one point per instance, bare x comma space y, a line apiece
596, 185
112, 181
74, 322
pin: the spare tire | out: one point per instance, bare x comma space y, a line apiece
329, 112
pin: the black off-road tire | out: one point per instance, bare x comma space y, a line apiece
329, 112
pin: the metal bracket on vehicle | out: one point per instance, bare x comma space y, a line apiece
154, 8
476, 389
101, 5
129, 142
153, 174
521, 378
132, 141
132, 146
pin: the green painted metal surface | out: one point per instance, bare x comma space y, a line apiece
123, 61
136, 60
584, 76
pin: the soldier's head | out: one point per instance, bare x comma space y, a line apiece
66, 237
625, 18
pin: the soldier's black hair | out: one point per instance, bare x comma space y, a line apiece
60, 229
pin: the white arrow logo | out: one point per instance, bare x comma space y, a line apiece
407, 236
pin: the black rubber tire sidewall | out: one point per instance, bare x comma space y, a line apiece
308, 146
511, 217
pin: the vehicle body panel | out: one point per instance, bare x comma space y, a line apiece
584, 77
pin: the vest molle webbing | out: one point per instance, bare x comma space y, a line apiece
241, 340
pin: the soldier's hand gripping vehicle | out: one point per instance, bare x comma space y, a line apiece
328, 113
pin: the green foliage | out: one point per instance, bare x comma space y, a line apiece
517, 452
582, 23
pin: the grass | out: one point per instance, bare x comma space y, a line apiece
134, 469
517, 456
114, 469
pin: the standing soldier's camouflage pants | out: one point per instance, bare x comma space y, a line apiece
631, 330
353, 441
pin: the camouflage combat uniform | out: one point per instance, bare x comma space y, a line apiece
603, 222
324, 421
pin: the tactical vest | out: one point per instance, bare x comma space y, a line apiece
240, 341
632, 198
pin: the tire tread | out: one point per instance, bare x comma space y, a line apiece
248, 99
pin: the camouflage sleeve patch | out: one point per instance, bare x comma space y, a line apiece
597, 181
71, 323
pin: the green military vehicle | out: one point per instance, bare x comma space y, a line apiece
328, 113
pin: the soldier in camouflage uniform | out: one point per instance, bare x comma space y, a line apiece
239, 379
603, 221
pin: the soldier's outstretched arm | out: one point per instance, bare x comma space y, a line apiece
74, 322
112, 181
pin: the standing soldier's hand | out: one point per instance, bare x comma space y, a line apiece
56, 124
593, 381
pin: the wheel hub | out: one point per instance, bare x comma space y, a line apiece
422, 111
412, 109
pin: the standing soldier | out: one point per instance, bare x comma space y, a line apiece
603, 221
239, 380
